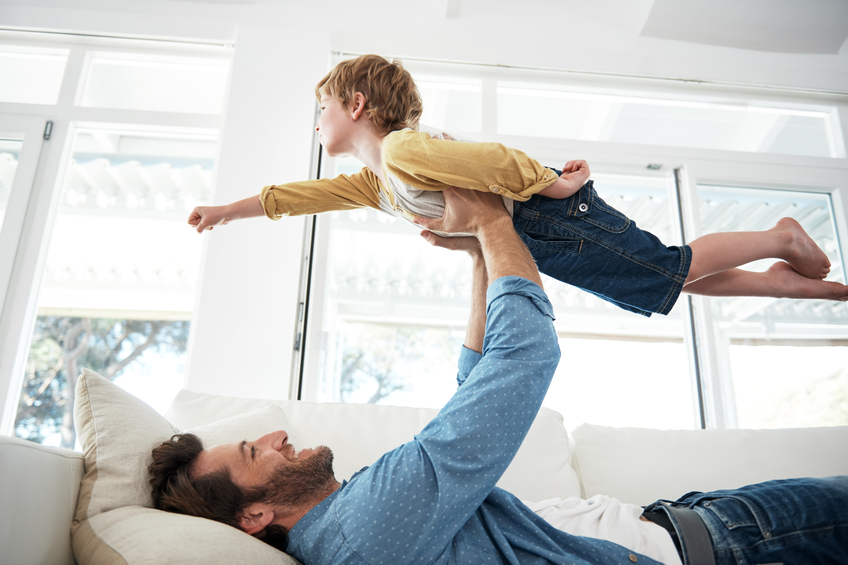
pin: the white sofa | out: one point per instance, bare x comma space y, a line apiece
39, 485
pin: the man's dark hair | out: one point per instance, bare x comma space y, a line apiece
213, 496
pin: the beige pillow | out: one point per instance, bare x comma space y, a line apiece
114, 521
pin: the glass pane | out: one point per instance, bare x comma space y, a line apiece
30, 75
120, 277
451, 104
10, 149
395, 311
164, 83
788, 359
606, 348
547, 110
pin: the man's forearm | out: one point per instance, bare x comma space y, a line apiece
477, 319
505, 253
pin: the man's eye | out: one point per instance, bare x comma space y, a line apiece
252, 452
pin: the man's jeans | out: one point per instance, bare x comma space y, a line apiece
788, 521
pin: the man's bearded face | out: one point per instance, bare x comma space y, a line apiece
299, 483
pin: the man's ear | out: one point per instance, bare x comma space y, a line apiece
357, 105
256, 518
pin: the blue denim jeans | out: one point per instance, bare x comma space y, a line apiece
583, 241
803, 521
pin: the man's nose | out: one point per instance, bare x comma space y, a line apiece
275, 440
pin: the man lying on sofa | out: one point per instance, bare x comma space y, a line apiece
434, 499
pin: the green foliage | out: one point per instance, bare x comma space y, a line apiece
62, 345
378, 360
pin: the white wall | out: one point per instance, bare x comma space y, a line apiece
242, 329
244, 320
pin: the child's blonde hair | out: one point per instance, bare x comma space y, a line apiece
392, 99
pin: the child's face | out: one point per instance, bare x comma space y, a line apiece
334, 126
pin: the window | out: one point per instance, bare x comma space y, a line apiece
31, 75
375, 283
157, 83
786, 358
113, 276
10, 149
736, 125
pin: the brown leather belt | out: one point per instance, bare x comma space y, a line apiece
687, 530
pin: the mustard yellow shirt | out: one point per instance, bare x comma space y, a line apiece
416, 168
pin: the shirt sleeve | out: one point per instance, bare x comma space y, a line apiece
345, 192
414, 499
468, 359
417, 160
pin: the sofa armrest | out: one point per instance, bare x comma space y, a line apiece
38, 495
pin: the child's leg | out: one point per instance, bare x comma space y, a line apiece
787, 240
779, 281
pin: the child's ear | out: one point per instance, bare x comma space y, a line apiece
357, 105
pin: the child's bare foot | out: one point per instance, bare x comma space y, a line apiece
802, 253
791, 284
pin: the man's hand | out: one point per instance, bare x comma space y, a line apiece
483, 214
466, 211
469, 244
207, 217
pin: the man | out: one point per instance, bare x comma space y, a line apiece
434, 500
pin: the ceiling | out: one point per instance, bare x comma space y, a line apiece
779, 26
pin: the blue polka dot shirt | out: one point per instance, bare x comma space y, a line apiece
434, 500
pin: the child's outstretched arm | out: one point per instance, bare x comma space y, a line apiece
574, 176
207, 217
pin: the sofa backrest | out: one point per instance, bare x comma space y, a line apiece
639, 466
359, 434
38, 496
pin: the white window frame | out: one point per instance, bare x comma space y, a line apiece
23, 279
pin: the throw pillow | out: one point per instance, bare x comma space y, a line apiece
114, 521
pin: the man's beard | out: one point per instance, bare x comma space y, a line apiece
300, 483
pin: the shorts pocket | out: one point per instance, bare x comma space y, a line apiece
605, 216
551, 244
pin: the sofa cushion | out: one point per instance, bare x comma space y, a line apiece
117, 433
640, 466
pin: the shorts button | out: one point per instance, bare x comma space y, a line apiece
495, 189
583, 207
706, 504
633, 558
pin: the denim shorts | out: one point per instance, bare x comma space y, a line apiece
783, 521
584, 242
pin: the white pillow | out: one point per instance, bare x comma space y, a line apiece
114, 521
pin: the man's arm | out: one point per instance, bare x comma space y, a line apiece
414, 499
476, 328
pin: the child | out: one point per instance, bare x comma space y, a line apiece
370, 108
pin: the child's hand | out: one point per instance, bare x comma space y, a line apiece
207, 217
574, 176
575, 173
